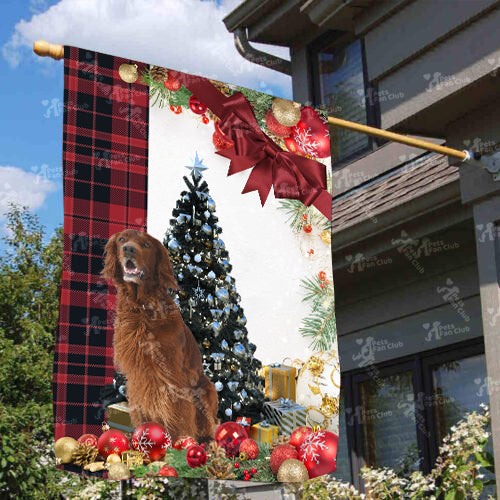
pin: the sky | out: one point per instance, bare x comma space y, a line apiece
186, 35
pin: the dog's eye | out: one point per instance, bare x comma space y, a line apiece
121, 240
146, 245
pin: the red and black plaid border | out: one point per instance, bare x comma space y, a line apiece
105, 162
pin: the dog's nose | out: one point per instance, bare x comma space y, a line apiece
129, 250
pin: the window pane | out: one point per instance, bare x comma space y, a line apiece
343, 472
389, 427
459, 387
342, 90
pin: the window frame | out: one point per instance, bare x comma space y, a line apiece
338, 39
420, 364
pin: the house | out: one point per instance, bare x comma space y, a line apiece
416, 247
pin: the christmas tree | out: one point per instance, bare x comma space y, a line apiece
209, 302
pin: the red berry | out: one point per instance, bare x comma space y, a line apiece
322, 285
246, 478
176, 109
205, 119
327, 282
253, 471
237, 465
307, 228
322, 275
304, 217
245, 472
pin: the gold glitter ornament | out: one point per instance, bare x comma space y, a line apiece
118, 470
286, 112
326, 237
64, 449
95, 466
329, 406
292, 471
113, 459
128, 72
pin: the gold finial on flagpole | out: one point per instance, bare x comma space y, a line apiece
43, 48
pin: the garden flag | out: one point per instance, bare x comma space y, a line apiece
196, 328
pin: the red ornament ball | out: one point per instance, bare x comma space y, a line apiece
176, 109
152, 439
205, 119
250, 447
319, 453
292, 146
230, 435
89, 440
168, 471
171, 83
196, 456
307, 228
311, 134
221, 141
196, 106
298, 435
275, 126
281, 453
112, 441
184, 442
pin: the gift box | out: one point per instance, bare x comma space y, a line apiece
246, 423
286, 414
119, 417
280, 381
264, 432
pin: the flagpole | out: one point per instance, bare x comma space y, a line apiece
45, 49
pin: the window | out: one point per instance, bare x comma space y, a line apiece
339, 85
397, 413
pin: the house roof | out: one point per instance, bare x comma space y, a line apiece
281, 22
400, 186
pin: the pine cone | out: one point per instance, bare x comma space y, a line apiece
280, 440
158, 74
222, 87
214, 451
84, 455
220, 469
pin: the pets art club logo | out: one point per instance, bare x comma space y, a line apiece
486, 386
360, 262
369, 348
438, 81
437, 330
361, 414
450, 293
346, 179
416, 248
373, 96
487, 232
494, 316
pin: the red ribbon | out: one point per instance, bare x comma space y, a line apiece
291, 176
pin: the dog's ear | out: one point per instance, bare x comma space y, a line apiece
112, 268
164, 268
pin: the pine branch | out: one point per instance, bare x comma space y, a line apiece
320, 327
295, 210
161, 96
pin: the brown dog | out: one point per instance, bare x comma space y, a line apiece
152, 346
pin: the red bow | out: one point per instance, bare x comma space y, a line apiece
291, 176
